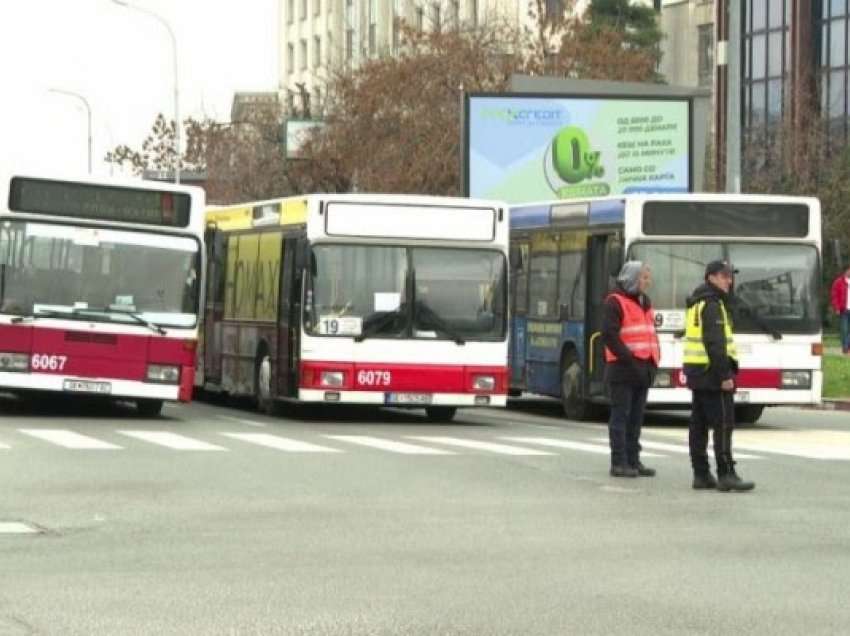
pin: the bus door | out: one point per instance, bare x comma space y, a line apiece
605, 256
519, 315
216, 244
289, 317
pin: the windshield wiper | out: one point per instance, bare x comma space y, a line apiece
379, 323
43, 313
132, 314
438, 322
748, 311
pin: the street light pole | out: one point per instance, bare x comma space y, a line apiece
88, 111
177, 126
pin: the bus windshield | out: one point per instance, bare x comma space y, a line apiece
97, 274
399, 292
776, 287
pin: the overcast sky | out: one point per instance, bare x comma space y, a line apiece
121, 61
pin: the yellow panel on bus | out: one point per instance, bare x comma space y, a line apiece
294, 212
231, 218
253, 273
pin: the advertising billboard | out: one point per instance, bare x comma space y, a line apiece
533, 147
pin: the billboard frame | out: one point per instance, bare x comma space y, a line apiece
465, 123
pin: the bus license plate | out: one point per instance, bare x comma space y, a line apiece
408, 398
87, 386
742, 396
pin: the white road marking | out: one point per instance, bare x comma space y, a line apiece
684, 450
808, 444
563, 443
281, 443
503, 449
173, 440
3, 446
389, 445
16, 527
68, 439
242, 420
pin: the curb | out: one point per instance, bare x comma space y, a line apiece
829, 404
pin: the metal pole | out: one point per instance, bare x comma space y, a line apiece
177, 124
88, 115
733, 100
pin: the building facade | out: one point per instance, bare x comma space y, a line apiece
794, 60
320, 37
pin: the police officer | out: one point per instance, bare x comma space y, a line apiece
631, 356
710, 365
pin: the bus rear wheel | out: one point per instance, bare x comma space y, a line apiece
149, 408
440, 413
263, 386
748, 414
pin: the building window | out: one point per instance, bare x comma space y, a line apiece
303, 9
554, 9
765, 71
290, 58
420, 19
290, 11
455, 14
436, 18
317, 50
373, 26
317, 7
303, 60
316, 107
474, 11
832, 29
706, 54
349, 45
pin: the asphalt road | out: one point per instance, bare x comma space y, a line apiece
216, 520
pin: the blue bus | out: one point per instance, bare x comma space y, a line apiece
565, 256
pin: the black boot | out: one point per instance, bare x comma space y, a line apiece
644, 471
704, 481
731, 482
623, 471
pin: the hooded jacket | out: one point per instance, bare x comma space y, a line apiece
721, 366
626, 369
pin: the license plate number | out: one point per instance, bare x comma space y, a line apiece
742, 396
408, 398
87, 386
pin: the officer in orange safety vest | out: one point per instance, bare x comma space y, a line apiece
631, 355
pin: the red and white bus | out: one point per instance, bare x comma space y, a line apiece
358, 299
99, 288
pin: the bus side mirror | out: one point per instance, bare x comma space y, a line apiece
515, 255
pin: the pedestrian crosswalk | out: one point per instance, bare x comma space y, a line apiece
657, 444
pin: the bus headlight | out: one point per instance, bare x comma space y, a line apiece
14, 361
163, 374
796, 379
483, 383
663, 380
332, 378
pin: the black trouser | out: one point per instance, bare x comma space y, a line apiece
627, 405
712, 410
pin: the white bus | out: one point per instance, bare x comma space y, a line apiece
358, 299
99, 288
568, 253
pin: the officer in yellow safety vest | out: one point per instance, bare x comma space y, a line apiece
710, 366
631, 360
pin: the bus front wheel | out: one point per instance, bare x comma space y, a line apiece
748, 414
149, 408
440, 413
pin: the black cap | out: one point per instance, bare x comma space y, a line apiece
716, 267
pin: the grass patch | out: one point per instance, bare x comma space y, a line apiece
836, 376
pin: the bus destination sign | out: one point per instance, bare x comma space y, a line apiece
99, 202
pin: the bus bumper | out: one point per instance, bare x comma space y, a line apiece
129, 389
402, 400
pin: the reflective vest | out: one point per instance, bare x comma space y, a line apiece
637, 331
695, 353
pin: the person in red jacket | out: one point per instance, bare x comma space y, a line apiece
841, 305
631, 356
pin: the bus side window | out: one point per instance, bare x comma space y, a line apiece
519, 277
543, 276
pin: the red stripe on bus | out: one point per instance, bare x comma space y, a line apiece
746, 379
427, 378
